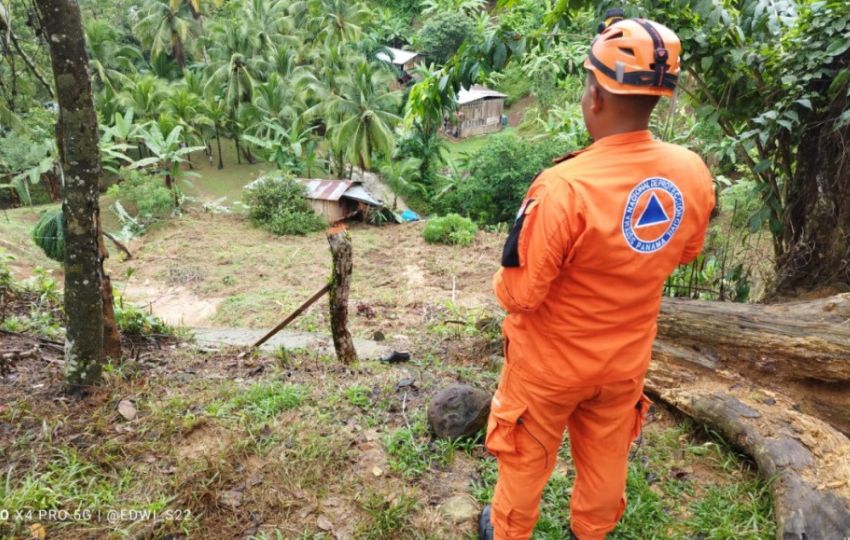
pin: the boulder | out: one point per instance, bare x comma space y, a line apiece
458, 411
460, 509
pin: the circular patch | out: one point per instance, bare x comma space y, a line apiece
653, 214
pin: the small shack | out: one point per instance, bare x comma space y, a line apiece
404, 61
479, 111
337, 200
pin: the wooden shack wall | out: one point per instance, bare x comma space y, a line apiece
482, 116
332, 211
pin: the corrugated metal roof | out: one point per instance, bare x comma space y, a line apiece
326, 190
399, 57
359, 193
475, 93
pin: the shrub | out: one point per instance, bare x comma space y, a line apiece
133, 321
450, 229
443, 34
499, 176
49, 236
278, 203
145, 193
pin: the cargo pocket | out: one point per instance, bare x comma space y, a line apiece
641, 410
502, 425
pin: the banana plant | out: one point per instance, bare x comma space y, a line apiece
167, 154
285, 148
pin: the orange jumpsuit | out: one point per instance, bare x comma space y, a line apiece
582, 279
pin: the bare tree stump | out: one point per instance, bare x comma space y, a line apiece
340, 243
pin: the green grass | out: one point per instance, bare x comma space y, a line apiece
228, 182
663, 503
456, 150
261, 402
387, 516
412, 453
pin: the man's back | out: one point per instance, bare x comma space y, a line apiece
623, 213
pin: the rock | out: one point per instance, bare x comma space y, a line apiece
460, 509
378, 336
127, 409
458, 411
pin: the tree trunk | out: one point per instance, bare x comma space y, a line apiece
817, 217
218, 144
82, 171
111, 336
806, 461
340, 242
801, 348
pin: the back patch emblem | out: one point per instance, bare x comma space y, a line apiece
653, 214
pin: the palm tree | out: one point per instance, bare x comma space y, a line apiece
276, 103
142, 94
233, 51
340, 21
165, 28
268, 20
108, 57
215, 111
184, 106
403, 177
362, 115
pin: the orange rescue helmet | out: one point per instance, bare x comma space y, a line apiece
636, 56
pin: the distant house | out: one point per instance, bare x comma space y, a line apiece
479, 111
337, 200
404, 61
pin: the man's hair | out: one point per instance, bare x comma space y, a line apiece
635, 104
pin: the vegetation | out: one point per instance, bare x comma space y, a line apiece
499, 175
184, 102
450, 229
49, 236
279, 204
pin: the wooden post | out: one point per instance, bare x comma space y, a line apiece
340, 242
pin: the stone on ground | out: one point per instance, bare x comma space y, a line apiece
460, 509
458, 411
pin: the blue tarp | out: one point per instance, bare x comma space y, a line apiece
409, 215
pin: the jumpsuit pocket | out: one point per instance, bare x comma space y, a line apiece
502, 425
641, 410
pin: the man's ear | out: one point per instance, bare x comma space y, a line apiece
597, 99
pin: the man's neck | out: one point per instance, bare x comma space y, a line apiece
620, 127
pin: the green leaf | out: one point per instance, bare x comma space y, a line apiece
805, 102
838, 47
762, 166
838, 83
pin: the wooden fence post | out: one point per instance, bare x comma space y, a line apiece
340, 243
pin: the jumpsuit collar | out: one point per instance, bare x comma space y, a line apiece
627, 137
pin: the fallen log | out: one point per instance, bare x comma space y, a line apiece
800, 340
800, 348
806, 461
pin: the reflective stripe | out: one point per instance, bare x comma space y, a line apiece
635, 78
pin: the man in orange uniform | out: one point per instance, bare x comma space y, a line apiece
582, 278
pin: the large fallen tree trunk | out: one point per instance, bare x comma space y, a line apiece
734, 368
800, 348
804, 340
806, 461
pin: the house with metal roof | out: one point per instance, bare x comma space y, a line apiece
479, 110
403, 60
337, 200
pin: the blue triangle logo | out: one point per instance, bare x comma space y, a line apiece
653, 214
